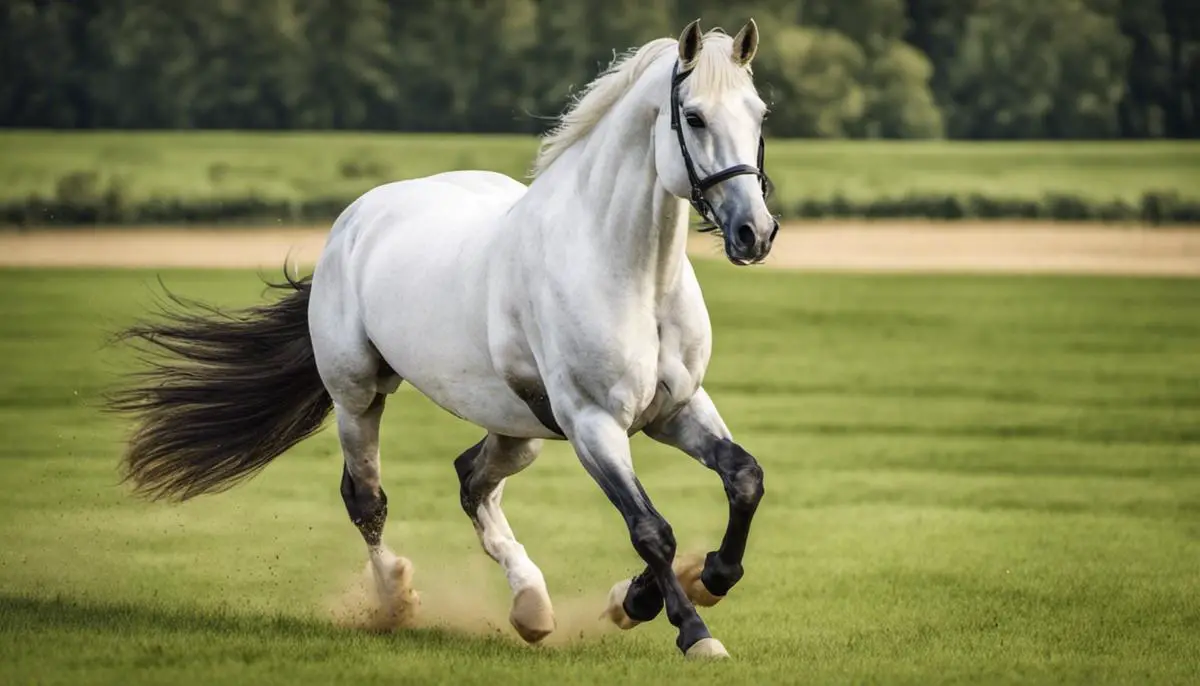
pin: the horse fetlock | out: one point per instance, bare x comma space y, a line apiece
615, 612
688, 570
643, 599
367, 509
691, 632
719, 576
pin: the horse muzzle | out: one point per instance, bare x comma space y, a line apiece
749, 242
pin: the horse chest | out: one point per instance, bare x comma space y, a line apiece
674, 386
636, 377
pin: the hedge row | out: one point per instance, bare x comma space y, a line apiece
1155, 208
111, 207
37, 211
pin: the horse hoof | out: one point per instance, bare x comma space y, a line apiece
532, 614
707, 649
687, 570
399, 602
616, 609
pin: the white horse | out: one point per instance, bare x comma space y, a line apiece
562, 310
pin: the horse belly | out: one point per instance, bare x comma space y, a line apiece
488, 403
426, 312
435, 351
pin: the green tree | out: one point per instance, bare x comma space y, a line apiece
899, 102
1036, 69
936, 27
346, 55
831, 68
1182, 18
812, 82
1142, 110
35, 52
854, 65
50, 53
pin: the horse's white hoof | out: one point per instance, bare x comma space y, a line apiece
707, 649
398, 601
532, 614
616, 609
687, 570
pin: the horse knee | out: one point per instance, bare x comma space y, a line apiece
367, 510
745, 480
653, 539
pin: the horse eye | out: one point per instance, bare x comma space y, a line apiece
694, 120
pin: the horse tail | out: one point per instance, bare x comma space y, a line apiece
223, 395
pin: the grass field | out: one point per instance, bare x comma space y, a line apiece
969, 480
298, 166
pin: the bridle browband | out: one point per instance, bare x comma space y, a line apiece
701, 186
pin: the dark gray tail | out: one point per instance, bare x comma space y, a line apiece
223, 395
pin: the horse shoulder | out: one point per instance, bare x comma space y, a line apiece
685, 340
685, 324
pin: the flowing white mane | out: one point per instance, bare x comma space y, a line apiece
715, 72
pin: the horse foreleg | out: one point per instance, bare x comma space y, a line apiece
603, 448
698, 430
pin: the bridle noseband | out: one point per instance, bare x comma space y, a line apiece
701, 186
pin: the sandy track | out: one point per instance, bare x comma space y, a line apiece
879, 246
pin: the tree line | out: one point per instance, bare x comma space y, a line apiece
964, 69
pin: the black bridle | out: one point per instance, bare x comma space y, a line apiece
701, 186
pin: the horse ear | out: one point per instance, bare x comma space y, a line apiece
690, 44
745, 43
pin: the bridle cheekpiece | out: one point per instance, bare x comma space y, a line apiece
700, 186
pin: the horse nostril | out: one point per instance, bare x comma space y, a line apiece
745, 235
774, 231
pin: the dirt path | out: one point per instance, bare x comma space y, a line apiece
890, 246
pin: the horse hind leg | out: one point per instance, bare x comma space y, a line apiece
366, 503
482, 470
358, 381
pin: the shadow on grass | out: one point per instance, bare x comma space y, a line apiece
22, 614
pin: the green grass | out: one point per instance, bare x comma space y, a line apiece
296, 166
969, 480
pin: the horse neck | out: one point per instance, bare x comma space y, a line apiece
635, 229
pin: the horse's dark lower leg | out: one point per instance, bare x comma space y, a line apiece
367, 508
654, 541
743, 480
366, 503
644, 599
365, 500
603, 449
698, 431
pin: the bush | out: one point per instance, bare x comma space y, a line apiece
1155, 208
1168, 208
364, 169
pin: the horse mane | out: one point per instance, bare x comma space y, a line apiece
714, 72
